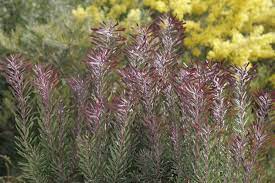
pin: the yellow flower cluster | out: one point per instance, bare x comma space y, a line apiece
178, 7
80, 13
161, 6
242, 48
233, 30
128, 12
92, 11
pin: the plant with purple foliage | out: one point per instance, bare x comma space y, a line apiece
149, 118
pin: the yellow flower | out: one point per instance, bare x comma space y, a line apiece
198, 7
192, 26
161, 6
180, 7
80, 14
96, 15
196, 52
158, 5
134, 16
116, 11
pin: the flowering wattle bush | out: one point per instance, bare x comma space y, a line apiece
232, 30
137, 115
128, 13
57, 32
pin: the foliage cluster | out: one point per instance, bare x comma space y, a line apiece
228, 30
137, 115
56, 32
38, 29
237, 31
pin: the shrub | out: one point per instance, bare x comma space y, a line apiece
231, 30
137, 115
45, 32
